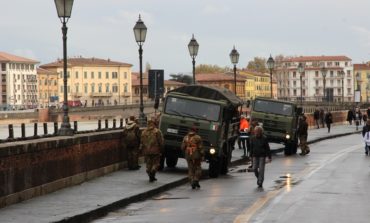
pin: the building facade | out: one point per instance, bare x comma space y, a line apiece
47, 88
338, 83
223, 81
94, 81
18, 82
259, 86
362, 80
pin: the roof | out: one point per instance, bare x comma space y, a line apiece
216, 77
80, 61
6, 57
44, 71
254, 73
317, 58
209, 92
361, 66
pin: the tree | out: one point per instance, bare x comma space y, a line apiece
211, 69
183, 78
258, 64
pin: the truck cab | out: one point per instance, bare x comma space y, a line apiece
279, 120
213, 111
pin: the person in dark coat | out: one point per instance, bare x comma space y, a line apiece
350, 116
322, 117
328, 120
316, 117
357, 117
366, 129
260, 150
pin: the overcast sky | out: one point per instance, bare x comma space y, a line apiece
103, 29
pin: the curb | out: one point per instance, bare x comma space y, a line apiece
104, 210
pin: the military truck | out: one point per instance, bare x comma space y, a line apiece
213, 111
279, 120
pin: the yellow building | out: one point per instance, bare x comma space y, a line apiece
259, 85
94, 81
48, 88
361, 79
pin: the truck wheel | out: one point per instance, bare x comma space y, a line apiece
224, 165
171, 160
214, 168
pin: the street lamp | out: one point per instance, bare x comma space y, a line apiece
193, 50
301, 71
342, 77
324, 70
270, 65
64, 10
140, 34
234, 57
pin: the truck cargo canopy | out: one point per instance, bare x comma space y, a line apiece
209, 92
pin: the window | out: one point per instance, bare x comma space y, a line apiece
317, 83
99, 88
107, 88
3, 66
348, 73
76, 74
68, 75
294, 83
114, 75
92, 88
76, 88
125, 75
68, 89
114, 88
85, 75
331, 82
125, 88
336, 63
85, 88
107, 75
295, 92
99, 75
92, 75
294, 74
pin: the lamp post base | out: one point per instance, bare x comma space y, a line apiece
65, 130
142, 119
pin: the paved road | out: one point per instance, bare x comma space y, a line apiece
121, 188
329, 185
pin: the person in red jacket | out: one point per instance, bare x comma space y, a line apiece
244, 134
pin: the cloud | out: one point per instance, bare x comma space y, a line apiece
129, 17
215, 9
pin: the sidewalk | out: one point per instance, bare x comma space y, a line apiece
98, 196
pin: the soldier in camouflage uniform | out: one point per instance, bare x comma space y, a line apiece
131, 139
194, 154
152, 145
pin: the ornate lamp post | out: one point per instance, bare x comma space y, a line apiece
64, 10
301, 71
342, 77
234, 57
193, 50
270, 66
140, 34
324, 70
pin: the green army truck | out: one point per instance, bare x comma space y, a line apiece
213, 111
279, 120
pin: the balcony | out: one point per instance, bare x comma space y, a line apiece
101, 94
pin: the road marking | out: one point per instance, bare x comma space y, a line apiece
277, 195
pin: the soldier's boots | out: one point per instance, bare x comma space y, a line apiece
195, 184
152, 177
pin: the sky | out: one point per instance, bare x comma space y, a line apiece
104, 29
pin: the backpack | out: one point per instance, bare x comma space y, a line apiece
131, 139
367, 138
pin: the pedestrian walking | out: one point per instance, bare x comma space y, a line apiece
194, 154
131, 140
316, 117
260, 151
303, 134
350, 116
152, 147
357, 117
364, 118
244, 135
328, 120
322, 117
366, 136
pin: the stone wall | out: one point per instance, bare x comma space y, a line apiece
36, 167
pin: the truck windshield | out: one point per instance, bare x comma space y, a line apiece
193, 109
273, 107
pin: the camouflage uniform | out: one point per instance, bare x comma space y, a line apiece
151, 145
194, 154
132, 145
302, 134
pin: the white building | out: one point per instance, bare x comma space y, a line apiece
18, 82
338, 87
